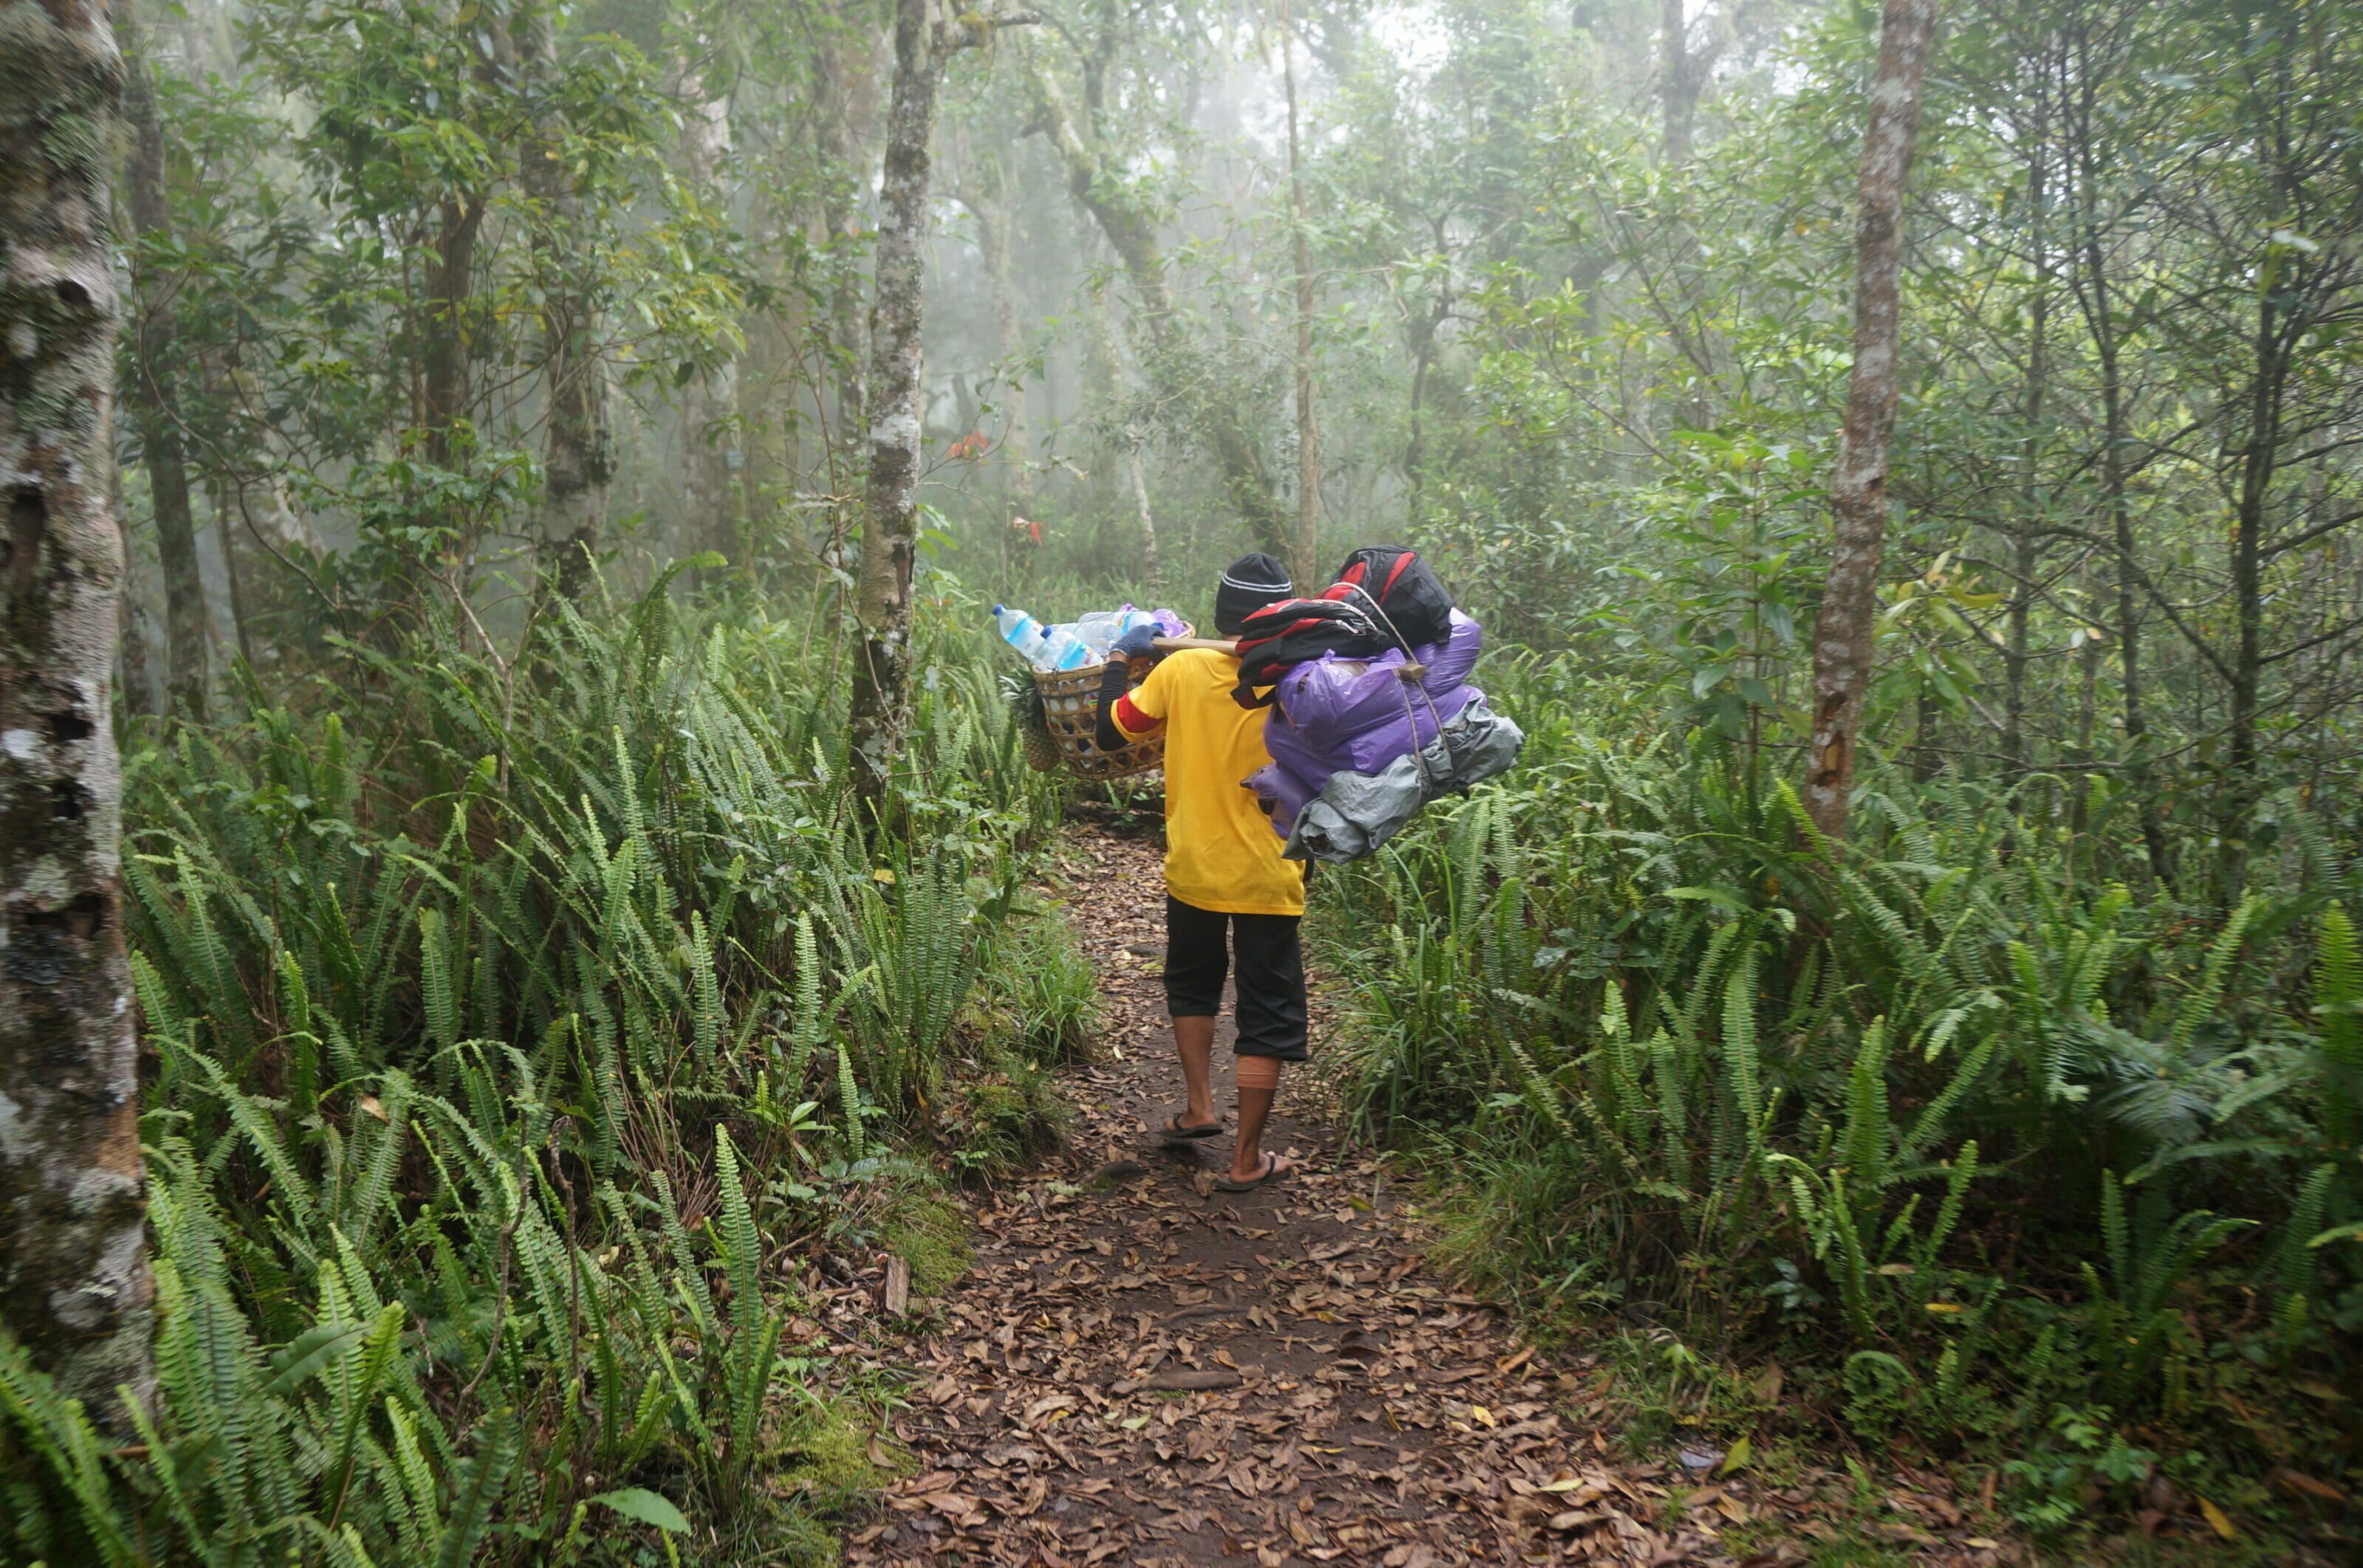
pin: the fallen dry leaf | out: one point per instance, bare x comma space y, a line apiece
2289, 1480
1200, 1380
1131, 1379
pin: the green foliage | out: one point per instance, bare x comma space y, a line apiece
491, 1016
2079, 1449
1038, 995
1874, 1116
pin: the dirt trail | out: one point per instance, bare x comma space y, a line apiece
1139, 1370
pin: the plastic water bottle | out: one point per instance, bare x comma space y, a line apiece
1024, 634
1101, 628
1064, 650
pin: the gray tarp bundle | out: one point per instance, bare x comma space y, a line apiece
1356, 812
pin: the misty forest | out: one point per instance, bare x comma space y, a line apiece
567, 995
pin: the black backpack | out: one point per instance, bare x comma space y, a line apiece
1406, 598
1384, 598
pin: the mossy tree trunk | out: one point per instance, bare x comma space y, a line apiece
74, 1286
1844, 631
882, 666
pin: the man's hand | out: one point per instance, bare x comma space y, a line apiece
1139, 643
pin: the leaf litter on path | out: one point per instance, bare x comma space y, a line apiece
1139, 1371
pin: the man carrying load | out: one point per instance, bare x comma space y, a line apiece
1228, 895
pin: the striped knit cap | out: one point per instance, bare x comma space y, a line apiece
1249, 584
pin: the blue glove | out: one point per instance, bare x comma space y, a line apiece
1137, 643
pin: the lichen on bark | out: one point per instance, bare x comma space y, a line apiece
74, 1287
889, 543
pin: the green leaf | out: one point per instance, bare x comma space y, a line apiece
646, 1506
306, 1355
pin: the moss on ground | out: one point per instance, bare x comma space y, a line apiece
931, 1235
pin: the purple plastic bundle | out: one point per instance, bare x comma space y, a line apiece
1357, 715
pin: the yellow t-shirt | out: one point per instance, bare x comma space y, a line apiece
1220, 851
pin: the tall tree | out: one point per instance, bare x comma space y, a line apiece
74, 1287
1107, 191
580, 459
2100, 46
1845, 644
155, 394
882, 667
2279, 210
709, 404
1682, 75
449, 325
844, 97
1306, 556
985, 189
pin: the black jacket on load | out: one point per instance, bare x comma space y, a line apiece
1384, 598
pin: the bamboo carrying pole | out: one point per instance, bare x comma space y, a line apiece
1175, 645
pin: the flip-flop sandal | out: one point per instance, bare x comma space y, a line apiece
1274, 1171
1174, 1131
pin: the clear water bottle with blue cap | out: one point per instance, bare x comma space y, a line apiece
1101, 628
1024, 634
1062, 650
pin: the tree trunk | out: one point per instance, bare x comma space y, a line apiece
1307, 553
2025, 540
709, 404
1681, 79
133, 677
1844, 649
1099, 385
1246, 482
1423, 356
844, 101
155, 394
448, 280
1926, 713
222, 491
841, 87
2101, 317
1140, 501
579, 458
74, 1286
985, 193
882, 669
2258, 462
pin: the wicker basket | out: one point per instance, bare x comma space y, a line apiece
1069, 716
1071, 710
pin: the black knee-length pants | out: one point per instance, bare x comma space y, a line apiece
1199, 948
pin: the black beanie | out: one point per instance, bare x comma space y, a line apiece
1249, 584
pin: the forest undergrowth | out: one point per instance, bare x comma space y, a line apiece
536, 1040
531, 1042
1983, 1141
523, 1041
